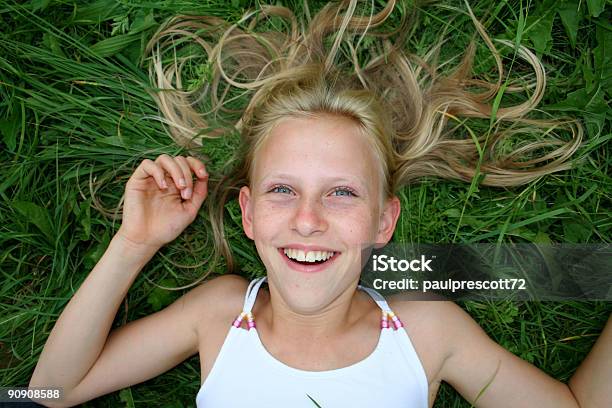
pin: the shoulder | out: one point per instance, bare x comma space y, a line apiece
220, 297
437, 312
221, 286
433, 327
433, 318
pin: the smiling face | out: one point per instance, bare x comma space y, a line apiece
315, 196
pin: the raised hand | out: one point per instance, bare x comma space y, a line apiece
161, 199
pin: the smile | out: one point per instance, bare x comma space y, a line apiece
308, 260
310, 256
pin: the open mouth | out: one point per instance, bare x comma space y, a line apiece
308, 261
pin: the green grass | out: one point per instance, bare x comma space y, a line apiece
75, 120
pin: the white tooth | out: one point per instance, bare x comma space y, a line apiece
311, 256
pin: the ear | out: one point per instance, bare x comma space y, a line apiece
244, 198
388, 220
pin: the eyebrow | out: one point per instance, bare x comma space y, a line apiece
351, 180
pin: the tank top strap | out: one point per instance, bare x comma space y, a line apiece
251, 294
249, 301
255, 284
387, 313
378, 298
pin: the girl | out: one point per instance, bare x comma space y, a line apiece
323, 155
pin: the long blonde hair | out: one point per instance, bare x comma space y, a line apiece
253, 78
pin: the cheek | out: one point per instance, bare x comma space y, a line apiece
357, 226
268, 218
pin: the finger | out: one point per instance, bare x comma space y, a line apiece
200, 191
168, 164
197, 166
149, 169
187, 191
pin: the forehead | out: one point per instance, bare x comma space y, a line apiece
316, 148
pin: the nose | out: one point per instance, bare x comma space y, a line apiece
309, 217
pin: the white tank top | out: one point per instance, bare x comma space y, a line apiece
245, 374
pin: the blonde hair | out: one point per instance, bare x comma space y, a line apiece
401, 101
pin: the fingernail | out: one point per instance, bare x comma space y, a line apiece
202, 172
186, 193
164, 184
182, 182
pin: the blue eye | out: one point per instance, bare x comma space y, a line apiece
281, 189
345, 192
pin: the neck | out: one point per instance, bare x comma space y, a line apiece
329, 322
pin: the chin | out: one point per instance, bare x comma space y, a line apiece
310, 293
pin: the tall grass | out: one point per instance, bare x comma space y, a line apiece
76, 118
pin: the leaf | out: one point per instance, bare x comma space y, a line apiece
586, 66
125, 395
95, 12
133, 52
602, 56
94, 254
9, 129
142, 22
508, 313
160, 298
570, 14
111, 46
111, 140
539, 28
452, 213
85, 219
314, 401
576, 232
596, 7
580, 100
37, 216
542, 238
40, 4
120, 25
51, 43
593, 106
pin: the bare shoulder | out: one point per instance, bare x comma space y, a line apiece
438, 313
430, 324
217, 298
433, 319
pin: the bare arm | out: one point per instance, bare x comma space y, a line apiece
81, 331
489, 376
99, 363
455, 349
591, 382
79, 355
